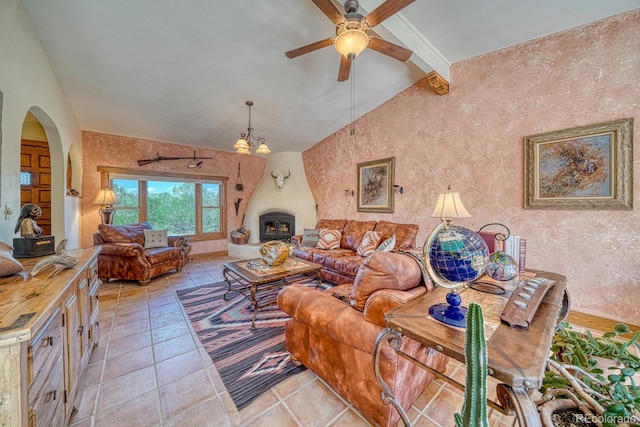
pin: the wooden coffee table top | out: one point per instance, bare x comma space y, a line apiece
257, 276
516, 356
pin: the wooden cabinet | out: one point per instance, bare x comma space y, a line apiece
48, 328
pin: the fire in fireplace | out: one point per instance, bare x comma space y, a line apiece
277, 226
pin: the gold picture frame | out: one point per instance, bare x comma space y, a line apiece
588, 167
375, 185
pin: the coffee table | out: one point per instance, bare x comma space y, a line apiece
251, 278
516, 357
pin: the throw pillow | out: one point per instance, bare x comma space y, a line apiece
329, 239
388, 245
155, 238
8, 264
369, 243
310, 238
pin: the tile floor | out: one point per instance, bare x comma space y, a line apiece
150, 370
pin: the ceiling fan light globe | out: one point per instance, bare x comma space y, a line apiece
351, 42
263, 149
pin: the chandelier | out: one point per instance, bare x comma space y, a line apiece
246, 140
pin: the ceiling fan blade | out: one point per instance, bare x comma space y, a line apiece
309, 48
393, 50
385, 10
328, 8
345, 68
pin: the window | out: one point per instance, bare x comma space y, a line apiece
184, 205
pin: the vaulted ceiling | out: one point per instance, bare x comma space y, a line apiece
181, 71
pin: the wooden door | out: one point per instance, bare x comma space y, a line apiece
35, 179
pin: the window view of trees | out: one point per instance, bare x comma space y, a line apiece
183, 208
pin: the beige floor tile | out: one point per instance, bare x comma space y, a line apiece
443, 407
208, 413
178, 345
143, 411
326, 405
182, 394
262, 403
293, 383
164, 333
167, 319
275, 416
126, 387
129, 343
163, 309
128, 362
179, 366
131, 328
350, 418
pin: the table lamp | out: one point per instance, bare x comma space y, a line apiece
107, 198
449, 206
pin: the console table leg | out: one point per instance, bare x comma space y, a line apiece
388, 397
254, 302
228, 280
518, 400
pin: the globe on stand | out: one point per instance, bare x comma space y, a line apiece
454, 256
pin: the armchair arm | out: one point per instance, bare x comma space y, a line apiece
123, 250
175, 241
384, 300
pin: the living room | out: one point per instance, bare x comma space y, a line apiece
470, 138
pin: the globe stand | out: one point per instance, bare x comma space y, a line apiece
450, 313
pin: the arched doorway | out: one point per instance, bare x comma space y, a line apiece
35, 170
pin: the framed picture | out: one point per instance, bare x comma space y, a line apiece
589, 167
375, 185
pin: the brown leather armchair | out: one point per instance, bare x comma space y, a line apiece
333, 333
124, 255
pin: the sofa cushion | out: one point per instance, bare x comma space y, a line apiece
328, 257
122, 233
405, 233
310, 237
384, 270
353, 233
160, 255
331, 224
329, 239
155, 238
369, 243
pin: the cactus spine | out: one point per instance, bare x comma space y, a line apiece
474, 408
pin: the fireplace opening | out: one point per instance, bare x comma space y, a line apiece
277, 226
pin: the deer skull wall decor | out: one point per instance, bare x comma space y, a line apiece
280, 178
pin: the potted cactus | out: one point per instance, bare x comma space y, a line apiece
474, 408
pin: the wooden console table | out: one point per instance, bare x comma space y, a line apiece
517, 357
48, 329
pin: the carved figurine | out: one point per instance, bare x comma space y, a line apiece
27, 224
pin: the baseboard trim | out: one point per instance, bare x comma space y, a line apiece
598, 323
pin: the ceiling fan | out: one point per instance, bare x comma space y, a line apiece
352, 33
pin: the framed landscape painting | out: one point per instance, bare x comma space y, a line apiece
589, 167
375, 185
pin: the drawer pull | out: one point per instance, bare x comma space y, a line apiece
47, 341
80, 329
51, 395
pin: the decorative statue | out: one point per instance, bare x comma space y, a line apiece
27, 221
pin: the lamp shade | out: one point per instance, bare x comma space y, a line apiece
450, 206
351, 41
263, 149
106, 196
242, 143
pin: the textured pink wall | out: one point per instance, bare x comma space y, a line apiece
472, 138
100, 149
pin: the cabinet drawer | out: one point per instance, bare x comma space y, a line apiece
92, 271
47, 403
44, 348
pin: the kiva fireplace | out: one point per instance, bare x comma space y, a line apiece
277, 226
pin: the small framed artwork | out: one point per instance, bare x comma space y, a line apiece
588, 167
375, 185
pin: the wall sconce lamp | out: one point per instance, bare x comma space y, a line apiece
106, 198
398, 189
349, 193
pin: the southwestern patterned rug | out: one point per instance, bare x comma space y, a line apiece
250, 361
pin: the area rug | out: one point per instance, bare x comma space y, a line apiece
250, 361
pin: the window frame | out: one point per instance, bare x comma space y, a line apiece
107, 173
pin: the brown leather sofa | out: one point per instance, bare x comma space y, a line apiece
124, 255
341, 265
333, 333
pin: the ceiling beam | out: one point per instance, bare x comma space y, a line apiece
425, 55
